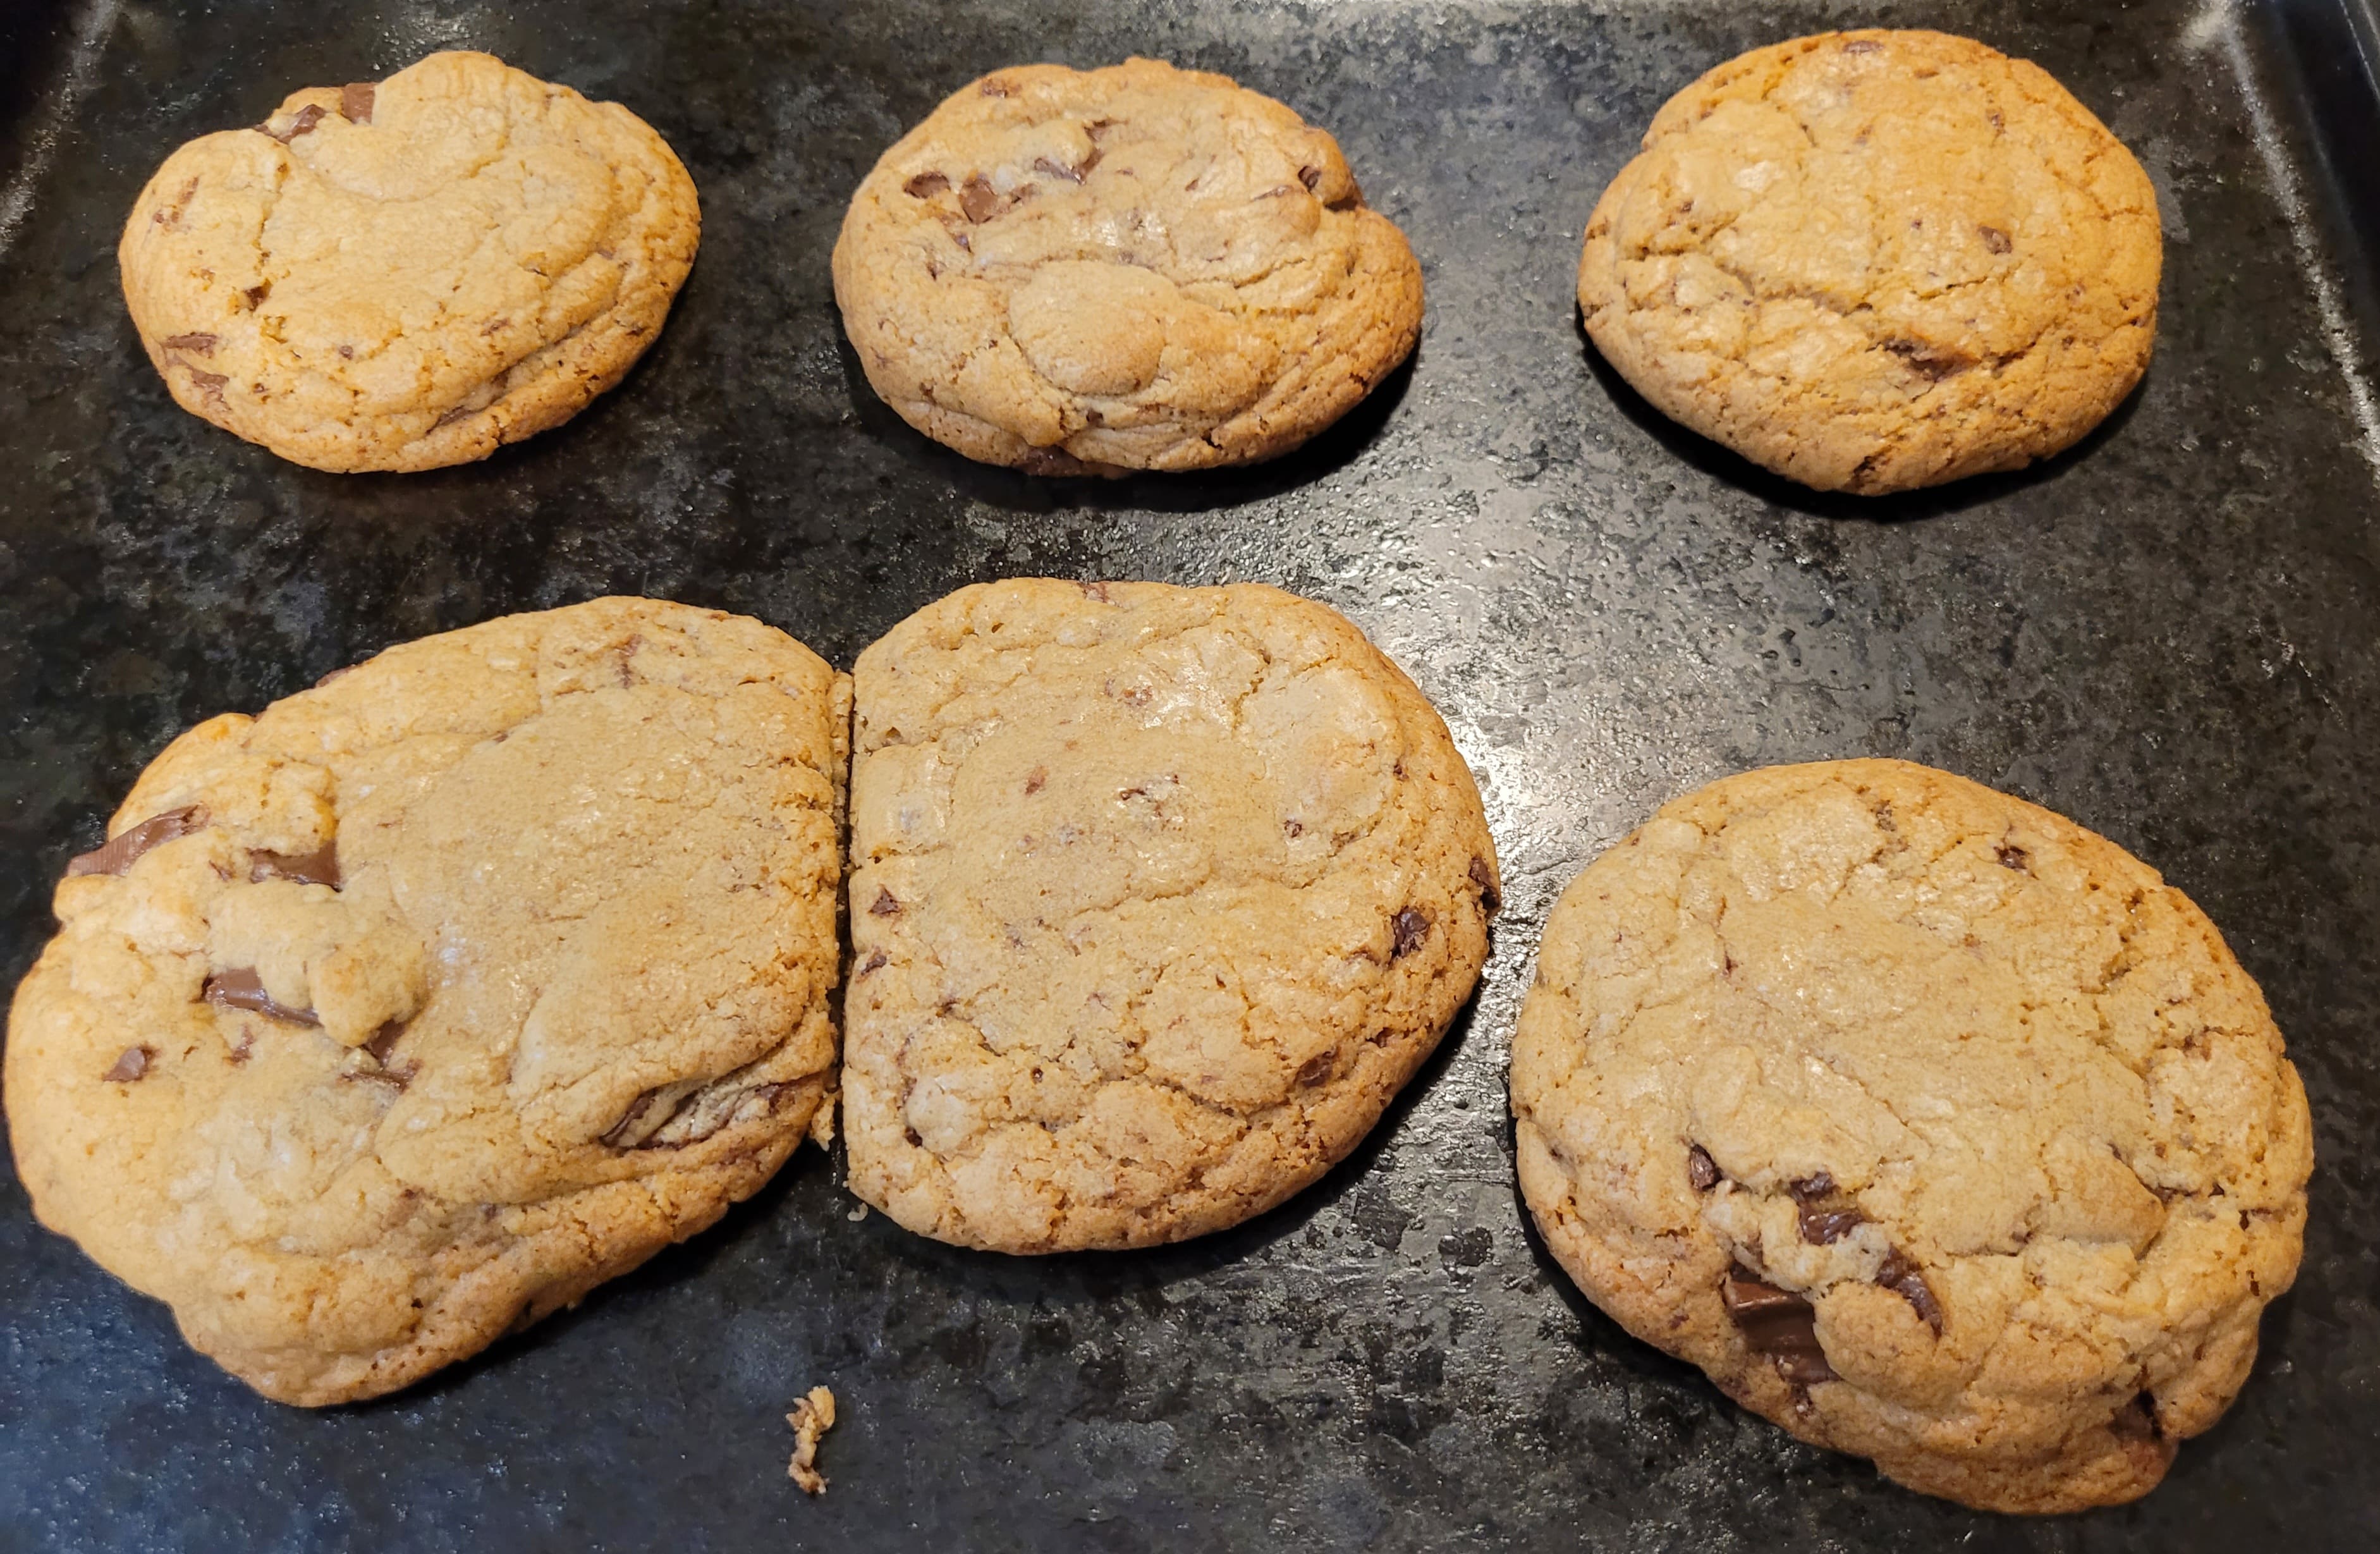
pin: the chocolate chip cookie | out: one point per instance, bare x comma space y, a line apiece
1157, 895
1933, 1126
1873, 261
1133, 268
410, 274
409, 1011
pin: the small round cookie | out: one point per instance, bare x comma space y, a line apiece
408, 275
1158, 896
1873, 261
409, 1011
1934, 1128
1135, 268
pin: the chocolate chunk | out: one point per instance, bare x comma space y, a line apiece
885, 904
1293, 828
383, 1042
916, 1139
1057, 170
875, 961
924, 185
622, 1133
1313, 1070
1776, 1323
449, 418
2137, 1420
130, 1065
1408, 927
1310, 177
1901, 1277
203, 344
242, 988
356, 102
1055, 463
308, 118
1929, 360
125, 848
1485, 877
1824, 1227
2013, 857
994, 86
1812, 1188
978, 200
1995, 239
257, 294
209, 384
319, 867
1702, 1171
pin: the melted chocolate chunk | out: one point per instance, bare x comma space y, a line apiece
209, 384
1313, 1070
125, 848
1902, 1278
1485, 877
242, 988
356, 102
130, 1065
1310, 177
202, 343
308, 118
1810, 1189
885, 904
924, 185
319, 867
2137, 1420
1995, 239
1928, 360
622, 1132
257, 294
383, 1042
1776, 1323
2013, 857
1702, 1171
1824, 1227
1409, 927
979, 199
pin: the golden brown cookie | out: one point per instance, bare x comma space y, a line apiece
414, 1008
1133, 268
1873, 261
1931, 1125
1157, 895
410, 274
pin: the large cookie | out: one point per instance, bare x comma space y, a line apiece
408, 275
1873, 261
1133, 268
1933, 1126
412, 1009
1158, 896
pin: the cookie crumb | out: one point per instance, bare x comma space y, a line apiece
811, 1418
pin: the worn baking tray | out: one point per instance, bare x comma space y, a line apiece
2168, 633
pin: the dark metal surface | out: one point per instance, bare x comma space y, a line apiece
2169, 634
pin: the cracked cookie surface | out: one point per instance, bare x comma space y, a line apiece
1878, 260
409, 275
1131, 268
1158, 896
1933, 1126
415, 1007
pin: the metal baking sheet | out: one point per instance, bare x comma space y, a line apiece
2168, 633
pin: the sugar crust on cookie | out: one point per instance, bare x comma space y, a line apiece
1971, 1080
1877, 259
1130, 268
1158, 896
409, 275
458, 985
